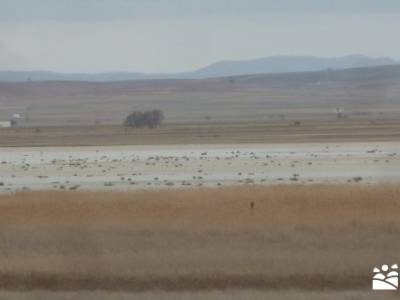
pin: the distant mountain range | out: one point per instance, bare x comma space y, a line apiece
267, 65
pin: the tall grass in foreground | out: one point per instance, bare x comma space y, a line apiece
206, 209
304, 237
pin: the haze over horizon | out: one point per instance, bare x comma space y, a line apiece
168, 36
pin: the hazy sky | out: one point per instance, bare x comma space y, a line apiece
182, 35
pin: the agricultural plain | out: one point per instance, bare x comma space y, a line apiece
256, 187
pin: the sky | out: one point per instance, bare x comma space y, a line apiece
164, 36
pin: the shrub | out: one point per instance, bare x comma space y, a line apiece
151, 119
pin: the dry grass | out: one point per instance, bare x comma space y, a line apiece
227, 209
305, 237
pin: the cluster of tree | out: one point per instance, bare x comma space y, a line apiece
151, 119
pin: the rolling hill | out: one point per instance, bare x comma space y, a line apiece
268, 65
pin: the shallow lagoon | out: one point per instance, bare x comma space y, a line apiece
144, 167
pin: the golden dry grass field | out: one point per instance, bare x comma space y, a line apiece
299, 242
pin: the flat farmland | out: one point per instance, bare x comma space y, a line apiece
206, 133
367, 93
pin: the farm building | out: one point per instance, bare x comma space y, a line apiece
5, 124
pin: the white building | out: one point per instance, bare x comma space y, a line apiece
5, 124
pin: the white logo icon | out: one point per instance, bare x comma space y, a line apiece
386, 278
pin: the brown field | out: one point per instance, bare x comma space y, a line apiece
206, 133
300, 242
366, 94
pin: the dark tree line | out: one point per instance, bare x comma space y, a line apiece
139, 119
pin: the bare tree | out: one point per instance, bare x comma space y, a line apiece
157, 117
